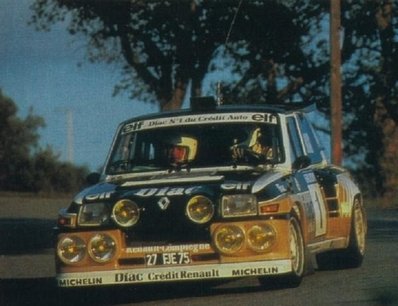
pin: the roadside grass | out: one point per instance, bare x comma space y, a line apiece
379, 203
28, 205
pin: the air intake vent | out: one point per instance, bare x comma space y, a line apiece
203, 103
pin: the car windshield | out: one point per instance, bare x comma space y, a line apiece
195, 146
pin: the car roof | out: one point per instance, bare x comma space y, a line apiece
234, 108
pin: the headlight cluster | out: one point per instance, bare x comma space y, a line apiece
94, 214
231, 238
126, 213
72, 249
239, 205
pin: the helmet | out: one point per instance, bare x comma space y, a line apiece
181, 149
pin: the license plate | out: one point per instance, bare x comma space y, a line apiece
160, 259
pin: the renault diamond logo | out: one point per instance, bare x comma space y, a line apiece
163, 203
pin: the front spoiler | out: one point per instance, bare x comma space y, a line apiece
175, 273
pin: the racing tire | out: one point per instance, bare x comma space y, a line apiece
352, 256
299, 260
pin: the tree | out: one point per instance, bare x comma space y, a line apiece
370, 91
167, 46
18, 138
278, 51
25, 166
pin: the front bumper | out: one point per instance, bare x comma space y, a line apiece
181, 273
133, 264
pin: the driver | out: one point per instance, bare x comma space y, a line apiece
254, 145
257, 144
181, 150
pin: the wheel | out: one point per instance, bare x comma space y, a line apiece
298, 256
353, 255
297, 253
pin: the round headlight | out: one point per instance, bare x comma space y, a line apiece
71, 249
200, 209
260, 237
229, 238
102, 248
125, 213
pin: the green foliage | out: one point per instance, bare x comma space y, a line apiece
278, 50
164, 46
24, 165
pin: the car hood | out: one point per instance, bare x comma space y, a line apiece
180, 183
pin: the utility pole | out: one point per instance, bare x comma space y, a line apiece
335, 83
70, 140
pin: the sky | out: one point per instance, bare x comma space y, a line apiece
41, 70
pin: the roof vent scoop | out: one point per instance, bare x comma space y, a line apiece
203, 103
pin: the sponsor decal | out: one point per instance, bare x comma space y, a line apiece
129, 277
235, 186
265, 181
132, 127
185, 275
255, 271
199, 119
177, 273
98, 196
194, 248
165, 191
309, 177
281, 188
74, 282
169, 180
345, 209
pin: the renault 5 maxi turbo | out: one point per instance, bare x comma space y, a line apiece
211, 192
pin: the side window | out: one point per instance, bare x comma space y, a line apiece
310, 141
295, 143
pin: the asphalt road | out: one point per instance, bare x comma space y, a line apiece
27, 276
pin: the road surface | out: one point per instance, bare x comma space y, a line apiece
27, 276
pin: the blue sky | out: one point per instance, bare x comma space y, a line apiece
40, 70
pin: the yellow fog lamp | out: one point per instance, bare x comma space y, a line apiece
200, 209
71, 249
102, 248
229, 238
261, 237
125, 213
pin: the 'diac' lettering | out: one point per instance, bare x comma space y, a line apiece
165, 191
128, 277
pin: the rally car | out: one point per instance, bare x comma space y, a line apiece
212, 192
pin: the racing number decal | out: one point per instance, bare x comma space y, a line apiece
319, 209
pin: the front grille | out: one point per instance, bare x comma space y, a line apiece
159, 235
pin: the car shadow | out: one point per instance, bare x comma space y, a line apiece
26, 235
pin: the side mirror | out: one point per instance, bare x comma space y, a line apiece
93, 178
301, 162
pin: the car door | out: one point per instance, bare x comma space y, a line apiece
305, 155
